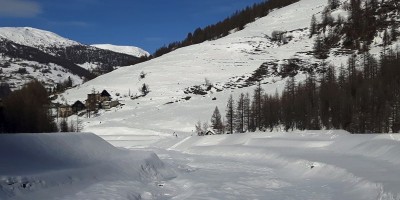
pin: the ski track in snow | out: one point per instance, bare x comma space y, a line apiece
299, 165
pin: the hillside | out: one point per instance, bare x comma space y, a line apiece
178, 95
28, 53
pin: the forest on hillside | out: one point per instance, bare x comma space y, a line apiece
362, 97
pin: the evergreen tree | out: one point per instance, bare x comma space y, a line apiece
327, 19
313, 26
216, 122
199, 129
386, 39
230, 114
64, 125
333, 4
240, 114
393, 31
247, 111
288, 102
320, 49
257, 99
145, 89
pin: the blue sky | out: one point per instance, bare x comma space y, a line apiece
148, 24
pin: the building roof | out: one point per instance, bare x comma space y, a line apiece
210, 132
77, 103
105, 94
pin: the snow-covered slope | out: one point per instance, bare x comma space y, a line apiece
34, 37
46, 166
227, 63
130, 50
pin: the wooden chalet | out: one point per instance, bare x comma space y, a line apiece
78, 106
65, 111
105, 96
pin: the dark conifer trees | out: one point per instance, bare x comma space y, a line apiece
240, 114
363, 98
216, 121
313, 26
27, 110
230, 115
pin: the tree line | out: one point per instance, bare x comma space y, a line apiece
27, 111
221, 29
362, 97
366, 20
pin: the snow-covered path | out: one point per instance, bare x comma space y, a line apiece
282, 166
313, 165
298, 165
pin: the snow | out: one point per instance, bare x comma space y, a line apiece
223, 61
329, 164
35, 37
130, 50
50, 73
276, 165
44, 166
271, 165
264, 165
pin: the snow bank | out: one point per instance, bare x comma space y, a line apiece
33, 162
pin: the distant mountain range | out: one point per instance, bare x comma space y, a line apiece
130, 50
28, 53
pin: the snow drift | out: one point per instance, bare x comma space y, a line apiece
30, 163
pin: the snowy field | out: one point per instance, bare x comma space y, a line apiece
297, 165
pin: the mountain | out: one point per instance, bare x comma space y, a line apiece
186, 84
130, 50
36, 38
28, 53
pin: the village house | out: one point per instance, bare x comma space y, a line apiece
109, 104
105, 96
65, 111
102, 100
92, 102
210, 132
78, 106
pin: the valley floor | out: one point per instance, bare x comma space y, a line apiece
304, 165
299, 165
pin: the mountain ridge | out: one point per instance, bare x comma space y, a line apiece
130, 50
27, 50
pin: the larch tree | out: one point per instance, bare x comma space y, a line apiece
313, 26
230, 114
247, 111
216, 121
240, 114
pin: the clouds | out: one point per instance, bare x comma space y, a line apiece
19, 8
